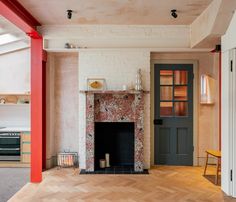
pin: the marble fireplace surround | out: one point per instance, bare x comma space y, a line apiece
115, 106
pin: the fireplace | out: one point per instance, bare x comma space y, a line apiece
116, 139
116, 111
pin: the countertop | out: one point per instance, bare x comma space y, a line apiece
15, 129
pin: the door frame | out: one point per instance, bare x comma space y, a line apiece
195, 104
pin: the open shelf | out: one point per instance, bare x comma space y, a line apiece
15, 93
11, 104
15, 99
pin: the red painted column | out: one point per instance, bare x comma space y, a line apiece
13, 11
36, 108
44, 137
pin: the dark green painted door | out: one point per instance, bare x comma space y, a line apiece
173, 114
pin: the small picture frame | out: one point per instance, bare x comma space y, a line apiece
96, 84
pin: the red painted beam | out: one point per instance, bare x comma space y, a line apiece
36, 109
13, 11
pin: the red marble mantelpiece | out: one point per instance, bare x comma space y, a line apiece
115, 106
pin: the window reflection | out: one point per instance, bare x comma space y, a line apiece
166, 77
166, 93
181, 77
181, 92
166, 108
181, 109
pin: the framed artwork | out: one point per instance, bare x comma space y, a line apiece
96, 84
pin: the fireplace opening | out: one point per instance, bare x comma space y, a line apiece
116, 139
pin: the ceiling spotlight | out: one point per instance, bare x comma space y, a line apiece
173, 13
69, 14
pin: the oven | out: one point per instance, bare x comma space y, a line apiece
9, 146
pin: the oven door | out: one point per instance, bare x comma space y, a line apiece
9, 147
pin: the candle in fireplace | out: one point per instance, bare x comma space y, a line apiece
107, 157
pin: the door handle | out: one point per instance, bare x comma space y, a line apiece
9, 137
9, 149
158, 121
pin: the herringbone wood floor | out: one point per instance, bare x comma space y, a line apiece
167, 184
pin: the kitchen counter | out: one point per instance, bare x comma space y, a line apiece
15, 129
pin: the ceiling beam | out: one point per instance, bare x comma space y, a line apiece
8, 48
18, 15
116, 36
207, 29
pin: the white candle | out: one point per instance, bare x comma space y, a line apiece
102, 163
107, 157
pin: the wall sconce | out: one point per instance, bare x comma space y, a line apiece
207, 89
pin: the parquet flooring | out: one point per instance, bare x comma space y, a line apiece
164, 183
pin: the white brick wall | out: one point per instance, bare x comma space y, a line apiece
118, 67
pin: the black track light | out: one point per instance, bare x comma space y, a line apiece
173, 13
69, 14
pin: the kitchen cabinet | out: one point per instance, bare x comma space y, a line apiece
25, 147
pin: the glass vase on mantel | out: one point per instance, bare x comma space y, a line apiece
138, 81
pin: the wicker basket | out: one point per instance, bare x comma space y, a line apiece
67, 159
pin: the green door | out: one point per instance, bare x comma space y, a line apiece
173, 114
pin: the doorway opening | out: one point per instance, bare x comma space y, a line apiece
168, 95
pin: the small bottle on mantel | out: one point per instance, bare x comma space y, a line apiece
107, 157
138, 82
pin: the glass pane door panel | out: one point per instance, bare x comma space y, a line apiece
181, 93
166, 77
181, 77
181, 109
166, 93
166, 109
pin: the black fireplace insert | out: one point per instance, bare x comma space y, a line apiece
116, 139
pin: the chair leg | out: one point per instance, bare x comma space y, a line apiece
206, 164
217, 171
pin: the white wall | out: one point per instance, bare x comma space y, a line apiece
15, 72
15, 78
118, 67
62, 105
225, 170
15, 116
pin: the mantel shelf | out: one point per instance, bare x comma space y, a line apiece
113, 92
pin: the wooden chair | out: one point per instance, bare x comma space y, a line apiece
216, 154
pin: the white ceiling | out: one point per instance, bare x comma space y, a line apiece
127, 12
11, 37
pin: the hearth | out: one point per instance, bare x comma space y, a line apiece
116, 170
116, 139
